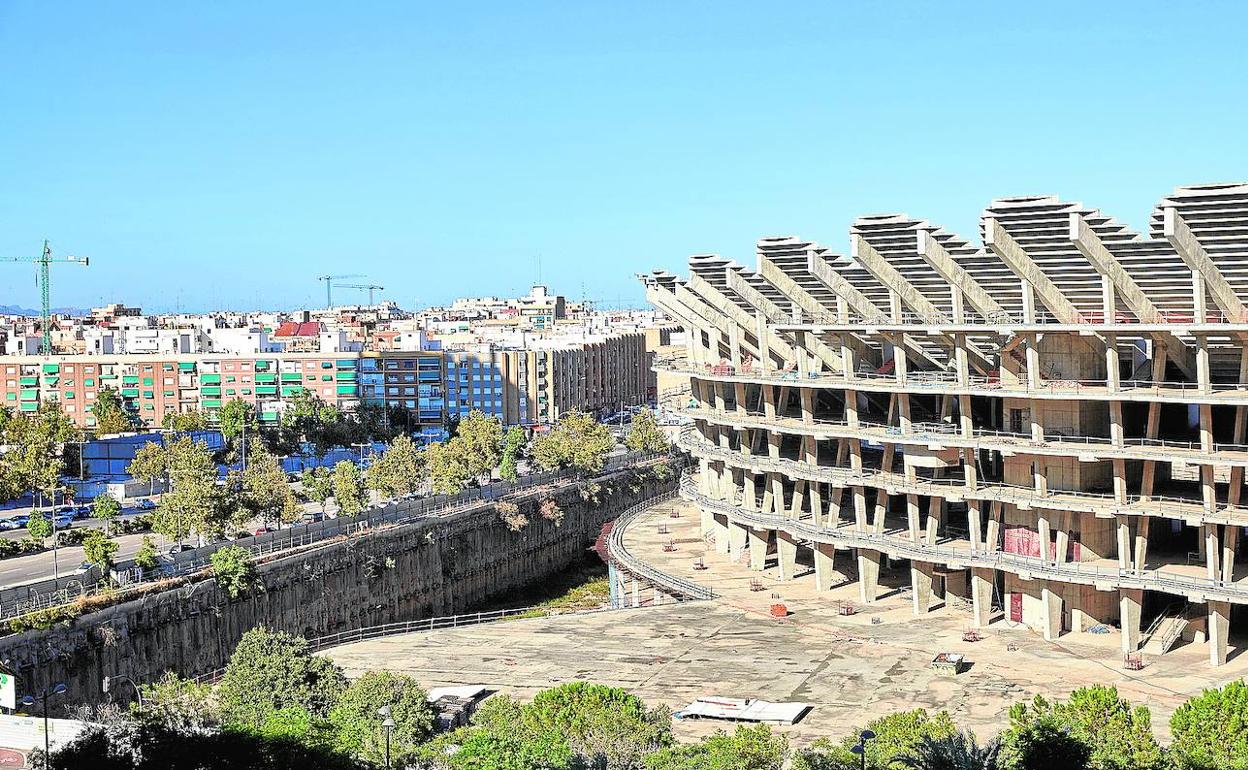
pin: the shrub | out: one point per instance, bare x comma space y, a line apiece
511, 516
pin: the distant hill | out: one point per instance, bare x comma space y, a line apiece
15, 310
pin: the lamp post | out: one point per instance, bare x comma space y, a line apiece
387, 724
107, 686
860, 748
29, 700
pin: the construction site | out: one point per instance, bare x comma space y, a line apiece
1042, 427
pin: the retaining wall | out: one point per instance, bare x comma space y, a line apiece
435, 566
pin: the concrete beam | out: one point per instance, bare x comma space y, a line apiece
720, 301
957, 277
759, 301
1097, 253
1193, 254
880, 267
1004, 246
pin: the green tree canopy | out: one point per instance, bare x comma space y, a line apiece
233, 569
184, 421
318, 484
605, 726
106, 508
349, 490
576, 441
261, 491
501, 739
150, 464
146, 557
1211, 730
400, 469
234, 416
645, 435
100, 549
482, 439
110, 412
513, 444
748, 748
357, 726
272, 670
895, 735
959, 751
39, 526
449, 467
1118, 736
194, 503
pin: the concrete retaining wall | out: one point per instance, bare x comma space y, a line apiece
427, 568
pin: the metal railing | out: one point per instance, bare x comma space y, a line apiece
1092, 502
677, 586
921, 432
1178, 318
44, 594
903, 547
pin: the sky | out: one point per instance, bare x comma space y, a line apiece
224, 154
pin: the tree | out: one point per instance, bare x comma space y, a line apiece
448, 467
1042, 744
236, 416
356, 725
106, 508
193, 504
39, 527
895, 735
111, 415
606, 727
261, 491
513, 444
749, 748
959, 751
272, 670
146, 557
576, 441
501, 739
99, 549
318, 485
184, 421
180, 704
150, 464
399, 471
1211, 730
232, 567
1118, 736
645, 435
482, 439
349, 490
310, 420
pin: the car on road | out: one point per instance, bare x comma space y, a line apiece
20, 520
63, 521
7, 524
84, 568
313, 516
145, 505
178, 548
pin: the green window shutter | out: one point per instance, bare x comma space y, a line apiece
210, 379
148, 394
266, 390
327, 377
89, 383
262, 366
130, 379
10, 396
346, 390
130, 392
327, 364
28, 407
266, 378
186, 366
147, 381
291, 377
231, 392
246, 391
27, 382
51, 368
290, 390
268, 416
167, 368
346, 376
212, 403
169, 394
69, 394
30, 395
213, 391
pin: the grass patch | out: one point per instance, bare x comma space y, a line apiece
582, 586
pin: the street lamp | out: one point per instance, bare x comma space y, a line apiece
861, 747
107, 686
29, 700
388, 724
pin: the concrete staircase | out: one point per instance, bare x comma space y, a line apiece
1167, 629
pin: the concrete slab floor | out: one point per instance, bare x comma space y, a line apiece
852, 668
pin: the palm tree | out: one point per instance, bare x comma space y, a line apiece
952, 752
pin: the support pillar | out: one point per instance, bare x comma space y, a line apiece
868, 575
786, 549
921, 578
825, 563
738, 535
759, 540
1051, 612
1130, 601
982, 582
721, 533
1219, 631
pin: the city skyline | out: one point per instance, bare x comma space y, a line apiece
184, 151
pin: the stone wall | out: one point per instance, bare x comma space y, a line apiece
433, 567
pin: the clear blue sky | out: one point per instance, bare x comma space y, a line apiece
224, 153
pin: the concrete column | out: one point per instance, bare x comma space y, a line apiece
636, 592
1051, 612
738, 535
1142, 526
1230, 540
1219, 631
1045, 537
706, 522
912, 517
1124, 542
868, 575
1130, 602
759, 540
1213, 550
982, 582
921, 578
825, 563
992, 537
1061, 544
786, 548
935, 516
807, 398
721, 533
975, 525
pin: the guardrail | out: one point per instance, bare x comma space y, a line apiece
619, 553
1091, 502
49, 593
903, 547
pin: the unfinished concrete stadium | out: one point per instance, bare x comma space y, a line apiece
1049, 429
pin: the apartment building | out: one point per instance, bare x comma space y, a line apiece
1044, 428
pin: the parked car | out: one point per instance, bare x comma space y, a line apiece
7, 524
178, 548
20, 520
82, 512
145, 505
84, 568
238, 535
63, 521
313, 516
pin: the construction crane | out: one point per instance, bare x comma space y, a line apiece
44, 279
371, 287
329, 279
